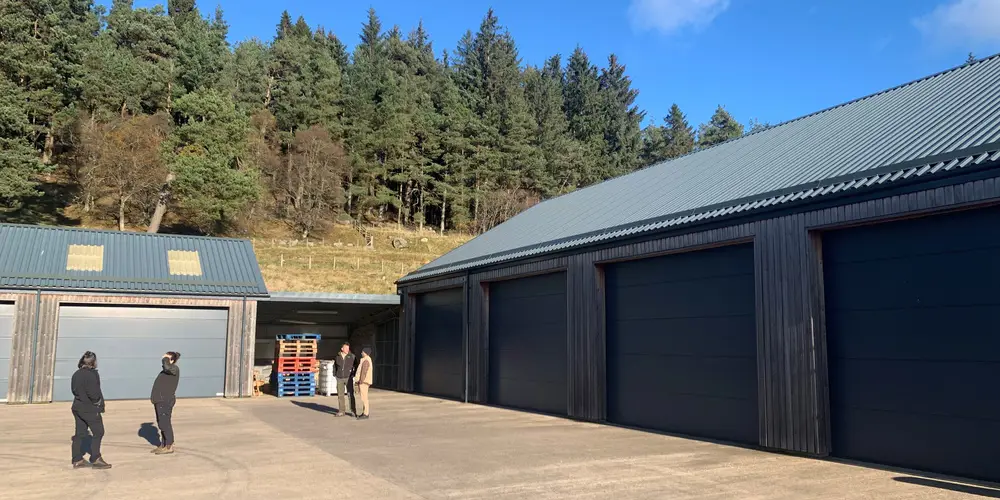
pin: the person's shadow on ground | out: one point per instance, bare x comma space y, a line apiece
149, 432
316, 407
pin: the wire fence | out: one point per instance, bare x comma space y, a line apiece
382, 266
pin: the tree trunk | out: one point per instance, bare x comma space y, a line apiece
475, 203
444, 210
423, 212
121, 213
161, 206
50, 146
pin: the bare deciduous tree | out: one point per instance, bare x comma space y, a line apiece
310, 179
121, 158
498, 205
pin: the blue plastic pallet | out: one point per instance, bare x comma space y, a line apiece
298, 336
299, 392
296, 385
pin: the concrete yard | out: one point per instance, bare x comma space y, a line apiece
414, 447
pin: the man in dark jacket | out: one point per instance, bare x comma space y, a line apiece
344, 365
163, 397
88, 405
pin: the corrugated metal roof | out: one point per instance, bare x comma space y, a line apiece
943, 122
33, 257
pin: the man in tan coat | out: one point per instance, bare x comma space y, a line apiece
363, 381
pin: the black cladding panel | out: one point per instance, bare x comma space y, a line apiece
438, 355
682, 351
528, 343
913, 310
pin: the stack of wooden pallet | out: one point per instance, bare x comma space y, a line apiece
295, 364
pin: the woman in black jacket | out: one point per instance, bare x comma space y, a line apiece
88, 405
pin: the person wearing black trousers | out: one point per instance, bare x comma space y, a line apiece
163, 397
88, 405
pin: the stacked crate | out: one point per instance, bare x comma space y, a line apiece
295, 364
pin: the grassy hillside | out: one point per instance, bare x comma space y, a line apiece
339, 262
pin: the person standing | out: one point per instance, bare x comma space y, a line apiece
364, 381
344, 364
163, 397
88, 405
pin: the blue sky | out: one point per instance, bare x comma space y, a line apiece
772, 60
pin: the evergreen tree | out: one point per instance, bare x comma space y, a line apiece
203, 52
621, 119
208, 153
489, 73
19, 162
305, 80
721, 128
247, 76
563, 156
582, 99
674, 139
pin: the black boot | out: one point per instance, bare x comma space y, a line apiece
100, 464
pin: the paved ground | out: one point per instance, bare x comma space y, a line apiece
413, 447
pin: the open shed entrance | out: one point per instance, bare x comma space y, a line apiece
363, 320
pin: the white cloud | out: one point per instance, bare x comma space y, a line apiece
669, 16
962, 21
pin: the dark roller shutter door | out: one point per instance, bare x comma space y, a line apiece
682, 351
130, 343
913, 310
528, 342
438, 353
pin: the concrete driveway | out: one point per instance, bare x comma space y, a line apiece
413, 447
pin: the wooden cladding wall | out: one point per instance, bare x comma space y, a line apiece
791, 327
36, 323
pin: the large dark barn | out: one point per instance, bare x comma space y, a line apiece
827, 286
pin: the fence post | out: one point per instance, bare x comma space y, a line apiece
282, 264
310, 261
359, 263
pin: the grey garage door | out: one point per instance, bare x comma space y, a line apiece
528, 342
913, 310
681, 347
438, 353
129, 343
6, 331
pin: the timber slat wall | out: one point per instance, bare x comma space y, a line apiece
33, 355
20, 344
791, 324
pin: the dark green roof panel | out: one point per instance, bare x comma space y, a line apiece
35, 257
938, 124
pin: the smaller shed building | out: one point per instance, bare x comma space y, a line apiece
129, 297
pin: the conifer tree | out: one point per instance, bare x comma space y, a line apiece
720, 128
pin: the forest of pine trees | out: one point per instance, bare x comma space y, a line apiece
158, 122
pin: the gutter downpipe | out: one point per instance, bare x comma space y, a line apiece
34, 344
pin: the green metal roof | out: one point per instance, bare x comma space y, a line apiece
938, 124
36, 257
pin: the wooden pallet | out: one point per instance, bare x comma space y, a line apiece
296, 348
296, 364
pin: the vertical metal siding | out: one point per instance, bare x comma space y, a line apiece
791, 323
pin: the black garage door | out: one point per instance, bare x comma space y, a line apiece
527, 338
681, 348
438, 354
130, 343
913, 310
